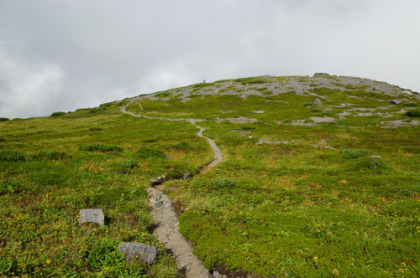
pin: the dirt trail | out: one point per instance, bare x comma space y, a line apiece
163, 214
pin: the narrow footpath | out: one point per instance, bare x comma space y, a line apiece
167, 230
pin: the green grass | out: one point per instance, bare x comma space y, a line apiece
45, 180
331, 200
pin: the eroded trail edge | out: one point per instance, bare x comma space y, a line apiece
167, 230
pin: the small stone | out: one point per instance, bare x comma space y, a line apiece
216, 274
317, 101
395, 101
186, 175
138, 251
92, 216
375, 156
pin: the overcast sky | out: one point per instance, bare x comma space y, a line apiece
68, 54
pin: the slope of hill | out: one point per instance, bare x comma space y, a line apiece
319, 177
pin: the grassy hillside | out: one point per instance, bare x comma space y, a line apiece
52, 167
320, 178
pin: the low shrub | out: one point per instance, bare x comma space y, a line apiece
54, 155
2, 119
413, 113
95, 129
108, 104
12, 156
58, 114
127, 165
411, 104
352, 153
150, 140
221, 183
201, 85
182, 146
251, 80
146, 153
101, 148
342, 122
163, 95
175, 174
101, 253
371, 164
8, 186
96, 109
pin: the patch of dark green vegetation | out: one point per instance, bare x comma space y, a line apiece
101, 148
3, 119
97, 109
251, 80
10, 155
164, 95
16, 156
145, 153
352, 87
413, 113
201, 85
323, 91
95, 129
353, 153
58, 114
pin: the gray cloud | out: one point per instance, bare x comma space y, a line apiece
63, 55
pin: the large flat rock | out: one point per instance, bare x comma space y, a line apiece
92, 216
138, 251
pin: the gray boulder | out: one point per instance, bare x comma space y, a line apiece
317, 101
138, 251
92, 216
395, 101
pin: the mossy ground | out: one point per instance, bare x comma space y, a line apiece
41, 198
330, 199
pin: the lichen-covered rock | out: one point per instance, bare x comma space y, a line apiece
92, 216
138, 251
317, 101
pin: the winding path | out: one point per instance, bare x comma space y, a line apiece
163, 214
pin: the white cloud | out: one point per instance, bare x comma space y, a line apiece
77, 53
26, 89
